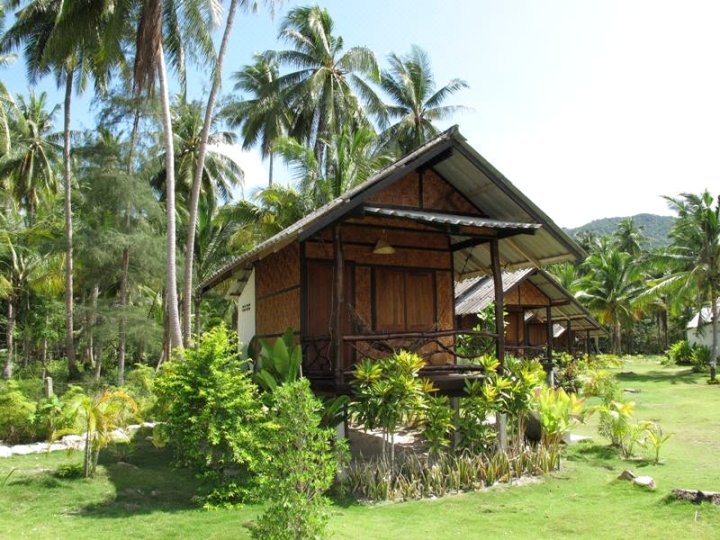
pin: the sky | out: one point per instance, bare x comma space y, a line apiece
593, 108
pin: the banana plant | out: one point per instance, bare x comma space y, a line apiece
279, 362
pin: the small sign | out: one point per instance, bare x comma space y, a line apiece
245, 307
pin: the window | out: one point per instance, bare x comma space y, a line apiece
404, 300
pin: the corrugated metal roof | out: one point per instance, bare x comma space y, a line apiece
451, 219
473, 176
474, 295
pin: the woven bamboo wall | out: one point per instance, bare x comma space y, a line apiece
426, 190
277, 281
526, 294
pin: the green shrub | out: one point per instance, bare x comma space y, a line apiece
700, 359
16, 415
389, 393
212, 415
280, 362
299, 468
438, 424
140, 382
53, 414
557, 412
681, 353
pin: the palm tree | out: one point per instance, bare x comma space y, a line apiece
184, 27
221, 175
73, 40
693, 259
415, 101
351, 157
629, 237
264, 118
610, 289
325, 92
33, 161
25, 266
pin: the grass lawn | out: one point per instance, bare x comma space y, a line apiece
141, 497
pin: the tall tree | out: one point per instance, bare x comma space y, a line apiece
416, 102
64, 38
185, 25
263, 118
30, 168
610, 288
693, 259
328, 89
629, 237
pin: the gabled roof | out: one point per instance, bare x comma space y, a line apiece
474, 295
458, 163
703, 317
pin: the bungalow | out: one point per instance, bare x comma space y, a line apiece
540, 314
699, 329
374, 270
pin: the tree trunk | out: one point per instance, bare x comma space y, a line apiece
270, 178
197, 179
98, 365
198, 323
714, 350
92, 321
171, 278
26, 347
67, 180
122, 331
9, 340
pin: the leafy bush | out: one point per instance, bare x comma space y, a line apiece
615, 424
54, 414
299, 468
16, 415
681, 353
212, 415
100, 415
557, 412
140, 382
389, 393
600, 383
655, 439
438, 424
700, 359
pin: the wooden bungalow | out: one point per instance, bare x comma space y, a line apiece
374, 270
540, 314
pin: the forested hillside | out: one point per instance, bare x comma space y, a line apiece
655, 228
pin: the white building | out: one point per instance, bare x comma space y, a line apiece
703, 320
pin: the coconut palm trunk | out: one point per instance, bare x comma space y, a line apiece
197, 179
67, 184
714, 350
10, 338
122, 330
173, 314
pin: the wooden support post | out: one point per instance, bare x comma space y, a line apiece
338, 305
549, 333
455, 404
587, 341
570, 340
501, 420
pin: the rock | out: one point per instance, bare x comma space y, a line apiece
645, 482
5, 451
574, 438
627, 475
126, 464
533, 429
697, 496
631, 390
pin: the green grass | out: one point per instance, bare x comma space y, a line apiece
147, 499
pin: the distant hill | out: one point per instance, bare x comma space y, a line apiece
656, 228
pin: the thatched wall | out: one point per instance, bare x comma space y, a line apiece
277, 285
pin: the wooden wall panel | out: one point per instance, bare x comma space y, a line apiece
530, 295
439, 195
445, 300
405, 257
404, 192
363, 300
278, 271
278, 312
537, 333
370, 235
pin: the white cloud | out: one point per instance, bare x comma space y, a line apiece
256, 175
